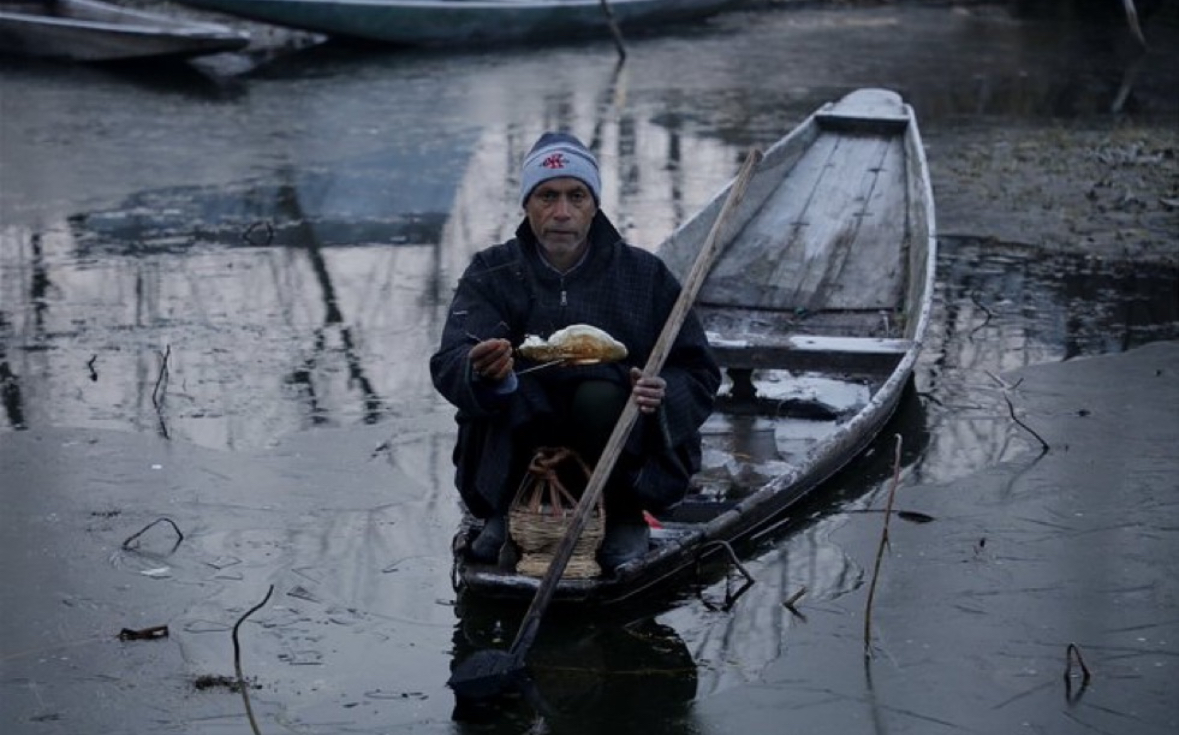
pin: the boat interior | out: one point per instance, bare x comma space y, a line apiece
806, 309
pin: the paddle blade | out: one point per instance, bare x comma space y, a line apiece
485, 675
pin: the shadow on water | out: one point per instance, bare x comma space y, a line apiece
619, 668
587, 674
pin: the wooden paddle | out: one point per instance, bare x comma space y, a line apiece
489, 673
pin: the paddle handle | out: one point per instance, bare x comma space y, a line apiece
671, 328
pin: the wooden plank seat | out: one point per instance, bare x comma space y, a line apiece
856, 358
801, 352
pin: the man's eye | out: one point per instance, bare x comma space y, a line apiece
577, 197
548, 197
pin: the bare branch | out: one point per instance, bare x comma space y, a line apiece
165, 519
1011, 409
161, 379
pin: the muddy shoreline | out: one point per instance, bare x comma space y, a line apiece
1108, 190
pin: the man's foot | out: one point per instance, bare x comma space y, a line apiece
624, 541
490, 540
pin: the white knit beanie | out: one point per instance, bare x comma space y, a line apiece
558, 155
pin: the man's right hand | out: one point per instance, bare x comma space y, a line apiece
491, 359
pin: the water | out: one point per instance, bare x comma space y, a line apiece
215, 303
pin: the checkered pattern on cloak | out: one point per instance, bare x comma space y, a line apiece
508, 291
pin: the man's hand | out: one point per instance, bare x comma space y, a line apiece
648, 392
491, 359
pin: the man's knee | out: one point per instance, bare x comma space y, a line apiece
594, 410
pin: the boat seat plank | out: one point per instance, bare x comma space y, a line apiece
845, 123
865, 111
804, 352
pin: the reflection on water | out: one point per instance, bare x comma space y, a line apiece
587, 675
354, 203
732, 646
279, 306
262, 340
1000, 308
298, 246
259, 341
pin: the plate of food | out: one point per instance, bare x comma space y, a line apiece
577, 344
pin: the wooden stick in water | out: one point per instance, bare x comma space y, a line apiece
614, 30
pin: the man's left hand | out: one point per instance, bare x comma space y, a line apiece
648, 391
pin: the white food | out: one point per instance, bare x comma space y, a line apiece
581, 344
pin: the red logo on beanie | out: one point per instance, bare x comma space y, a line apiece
557, 160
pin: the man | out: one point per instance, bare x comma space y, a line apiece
569, 265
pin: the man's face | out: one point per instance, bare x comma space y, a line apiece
560, 212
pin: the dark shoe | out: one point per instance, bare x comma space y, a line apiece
490, 540
623, 542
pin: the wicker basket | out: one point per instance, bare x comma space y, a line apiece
542, 511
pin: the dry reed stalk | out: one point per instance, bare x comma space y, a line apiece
892, 491
237, 661
157, 393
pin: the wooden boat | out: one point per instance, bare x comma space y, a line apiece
464, 22
88, 30
817, 311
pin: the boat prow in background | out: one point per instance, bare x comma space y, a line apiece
817, 310
465, 22
88, 30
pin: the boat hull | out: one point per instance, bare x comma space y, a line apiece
450, 23
84, 30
